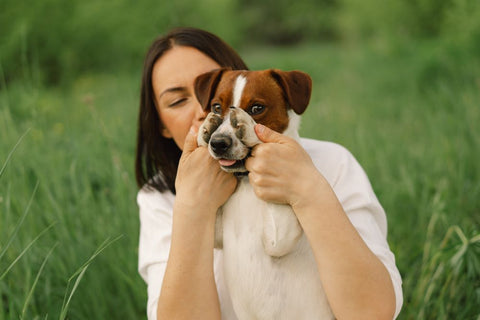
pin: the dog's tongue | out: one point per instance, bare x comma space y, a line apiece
226, 162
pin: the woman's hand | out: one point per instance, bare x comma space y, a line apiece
200, 180
280, 169
202, 187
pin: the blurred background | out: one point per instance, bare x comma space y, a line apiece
396, 82
58, 40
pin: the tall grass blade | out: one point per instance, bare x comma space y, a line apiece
30, 293
99, 250
19, 224
26, 249
64, 311
12, 151
80, 273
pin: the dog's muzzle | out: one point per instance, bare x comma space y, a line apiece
230, 139
229, 152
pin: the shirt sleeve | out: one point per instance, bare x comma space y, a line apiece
154, 244
354, 191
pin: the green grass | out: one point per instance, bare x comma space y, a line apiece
408, 112
78, 149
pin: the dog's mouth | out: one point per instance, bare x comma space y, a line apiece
233, 166
227, 162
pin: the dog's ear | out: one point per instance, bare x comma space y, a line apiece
297, 87
205, 86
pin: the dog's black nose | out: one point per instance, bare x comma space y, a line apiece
220, 144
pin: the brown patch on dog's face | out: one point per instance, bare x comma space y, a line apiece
261, 92
224, 93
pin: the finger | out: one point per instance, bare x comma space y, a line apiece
190, 143
248, 163
268, 135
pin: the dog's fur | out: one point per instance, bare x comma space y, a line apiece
269, 267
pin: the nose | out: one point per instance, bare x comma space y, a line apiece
199, 114
220, 144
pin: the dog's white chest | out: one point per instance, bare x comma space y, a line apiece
269, 268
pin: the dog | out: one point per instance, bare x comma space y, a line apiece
269, 267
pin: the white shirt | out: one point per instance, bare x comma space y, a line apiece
337, 165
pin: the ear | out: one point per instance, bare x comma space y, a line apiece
297, 87
206, 85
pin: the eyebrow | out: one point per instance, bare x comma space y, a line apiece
170, 90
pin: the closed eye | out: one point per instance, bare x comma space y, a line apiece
256, 109
177, 102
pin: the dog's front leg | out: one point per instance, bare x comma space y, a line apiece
281, 229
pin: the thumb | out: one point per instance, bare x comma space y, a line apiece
190, 143
268, 135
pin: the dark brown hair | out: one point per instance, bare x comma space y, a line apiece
157, 157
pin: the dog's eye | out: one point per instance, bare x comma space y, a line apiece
217, 108
256, 109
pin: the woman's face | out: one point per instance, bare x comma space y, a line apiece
172, 80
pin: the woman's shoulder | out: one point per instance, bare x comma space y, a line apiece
331, 159
321, 147
326, 153
149, 197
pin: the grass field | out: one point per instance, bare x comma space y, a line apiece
410, 113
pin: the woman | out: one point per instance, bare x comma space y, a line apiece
327, 189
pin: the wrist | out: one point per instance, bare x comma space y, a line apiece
193, 209
308, 192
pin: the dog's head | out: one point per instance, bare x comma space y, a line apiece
237, 100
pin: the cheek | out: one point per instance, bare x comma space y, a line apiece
167, 123
176, 124
180, 141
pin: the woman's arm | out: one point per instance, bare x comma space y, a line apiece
357, 284
188, 289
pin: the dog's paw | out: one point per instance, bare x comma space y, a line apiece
211, 123
244, 127
281, 229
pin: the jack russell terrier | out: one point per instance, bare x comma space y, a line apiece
269, 267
